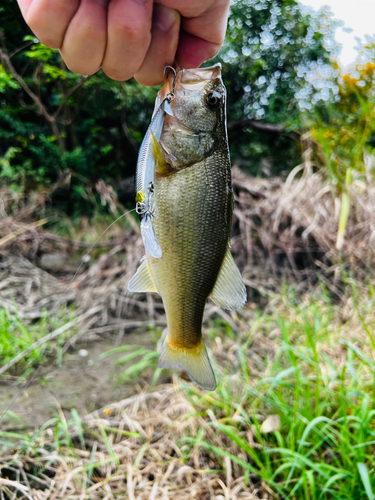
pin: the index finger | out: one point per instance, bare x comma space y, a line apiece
49, 19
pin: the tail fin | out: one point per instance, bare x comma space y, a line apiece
194, 360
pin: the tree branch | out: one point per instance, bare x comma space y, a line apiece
256, 125
24, 46
11, 70
42, 110
66, 97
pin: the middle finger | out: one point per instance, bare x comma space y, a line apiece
129, 36
86, 37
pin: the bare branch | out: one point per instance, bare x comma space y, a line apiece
24, 46
11, 70
256, 125
67, 96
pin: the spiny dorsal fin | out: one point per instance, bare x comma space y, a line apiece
229, 291
142, 280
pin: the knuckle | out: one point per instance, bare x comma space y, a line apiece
47, 39
132, 32
44, 34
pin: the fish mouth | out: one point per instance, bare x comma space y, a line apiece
180, 82
190, 79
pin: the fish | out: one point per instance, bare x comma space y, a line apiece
193, 206
145, 173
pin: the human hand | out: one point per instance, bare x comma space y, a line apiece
129, 37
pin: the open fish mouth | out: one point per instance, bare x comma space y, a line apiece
192, 79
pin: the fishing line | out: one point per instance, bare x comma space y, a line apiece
83, 260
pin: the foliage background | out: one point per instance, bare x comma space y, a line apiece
64, 132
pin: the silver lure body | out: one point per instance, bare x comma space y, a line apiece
145, 174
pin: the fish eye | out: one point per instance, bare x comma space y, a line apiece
212, 100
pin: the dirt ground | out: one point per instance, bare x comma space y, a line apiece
85, 383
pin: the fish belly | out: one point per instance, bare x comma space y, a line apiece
192, 224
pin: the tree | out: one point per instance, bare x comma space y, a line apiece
56, 125
346, 128
278, 68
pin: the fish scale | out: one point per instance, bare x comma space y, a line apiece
192, 226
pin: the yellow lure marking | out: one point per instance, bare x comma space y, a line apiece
140, 197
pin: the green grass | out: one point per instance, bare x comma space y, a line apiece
142, 360
308, 361
16, 336
320, 381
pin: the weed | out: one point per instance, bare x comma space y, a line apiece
17, 336
301, 363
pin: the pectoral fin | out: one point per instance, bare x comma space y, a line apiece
229, 291
142, 280
161, 166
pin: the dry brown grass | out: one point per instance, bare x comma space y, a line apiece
294, 224
135, 449
150, 464
282, 232
141, 448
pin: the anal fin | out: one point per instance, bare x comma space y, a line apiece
142, 280
229, 291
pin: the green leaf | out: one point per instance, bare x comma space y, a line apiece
366, 480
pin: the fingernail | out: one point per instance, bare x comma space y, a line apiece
163, 17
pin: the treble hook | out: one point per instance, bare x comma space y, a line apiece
171, 93
170, 67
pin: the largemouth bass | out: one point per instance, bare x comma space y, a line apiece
193, 202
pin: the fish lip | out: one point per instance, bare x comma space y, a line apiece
199, 74
187, 76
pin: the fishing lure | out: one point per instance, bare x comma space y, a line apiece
145, 174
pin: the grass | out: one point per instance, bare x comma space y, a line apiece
17, 336
142, 360
292, 418
320, 383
